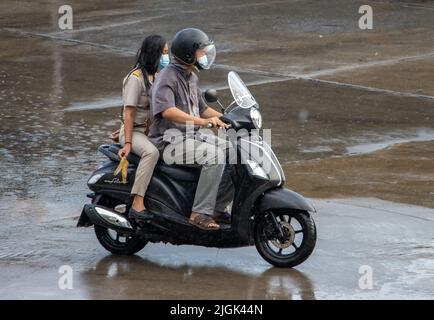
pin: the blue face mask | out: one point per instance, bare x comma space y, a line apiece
203, 61
164, 60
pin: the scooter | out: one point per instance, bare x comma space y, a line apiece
276, 220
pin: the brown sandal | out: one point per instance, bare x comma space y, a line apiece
203, 222
222, 217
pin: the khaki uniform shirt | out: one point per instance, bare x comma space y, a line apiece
135, 94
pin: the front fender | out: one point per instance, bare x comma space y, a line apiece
283, 198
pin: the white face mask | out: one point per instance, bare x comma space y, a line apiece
164, 60
203, 62
208, 58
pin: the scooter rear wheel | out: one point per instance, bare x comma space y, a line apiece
294, 246
113, 241
118, 243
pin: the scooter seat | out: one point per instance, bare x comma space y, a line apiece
111, 151
177, 172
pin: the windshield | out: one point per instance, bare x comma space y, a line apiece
241, 94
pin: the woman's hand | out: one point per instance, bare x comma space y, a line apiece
125, 151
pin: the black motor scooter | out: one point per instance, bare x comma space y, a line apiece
276, 220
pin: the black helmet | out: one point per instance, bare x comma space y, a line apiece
187, 42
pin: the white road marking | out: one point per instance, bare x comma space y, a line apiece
108, 26
365, 65
312, 76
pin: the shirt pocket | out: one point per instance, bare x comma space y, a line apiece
181, 101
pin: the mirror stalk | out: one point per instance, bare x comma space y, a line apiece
221, 106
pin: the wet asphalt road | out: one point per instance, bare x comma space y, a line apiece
394, 241
351, 107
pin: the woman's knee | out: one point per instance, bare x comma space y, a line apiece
153, 154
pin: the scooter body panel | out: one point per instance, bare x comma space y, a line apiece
170, 200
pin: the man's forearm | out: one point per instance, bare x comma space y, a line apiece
209, 113
176, 115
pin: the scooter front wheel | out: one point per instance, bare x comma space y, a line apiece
285, 238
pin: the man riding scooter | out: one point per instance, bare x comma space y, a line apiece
176, 103
265, 213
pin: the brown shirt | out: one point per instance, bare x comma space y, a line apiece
174, 87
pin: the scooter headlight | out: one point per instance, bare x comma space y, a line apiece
256, 117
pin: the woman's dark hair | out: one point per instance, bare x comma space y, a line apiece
148, 56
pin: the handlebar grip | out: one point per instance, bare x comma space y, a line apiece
228, 121
210, 125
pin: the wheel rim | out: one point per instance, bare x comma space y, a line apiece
116, 238
112, 237
293, 230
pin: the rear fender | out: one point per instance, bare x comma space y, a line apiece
84, 220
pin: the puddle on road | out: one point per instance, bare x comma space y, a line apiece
266, 283
370, 142
415, 135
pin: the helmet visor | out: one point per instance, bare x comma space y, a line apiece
209, 52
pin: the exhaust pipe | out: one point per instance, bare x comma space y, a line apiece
105, 217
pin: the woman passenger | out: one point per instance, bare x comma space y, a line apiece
152, 55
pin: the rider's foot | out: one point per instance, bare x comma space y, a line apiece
203, 221
221, 217
138, 203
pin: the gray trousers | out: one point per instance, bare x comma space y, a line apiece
214, 190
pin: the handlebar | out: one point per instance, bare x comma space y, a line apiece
210, 125
222, 118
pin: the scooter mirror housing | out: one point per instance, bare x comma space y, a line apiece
210, 95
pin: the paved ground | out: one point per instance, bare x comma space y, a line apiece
351, 113
394, 241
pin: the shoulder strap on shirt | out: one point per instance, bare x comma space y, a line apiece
137, 72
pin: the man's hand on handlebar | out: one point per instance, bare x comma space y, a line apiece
216, 122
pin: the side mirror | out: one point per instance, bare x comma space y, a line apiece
210, 95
